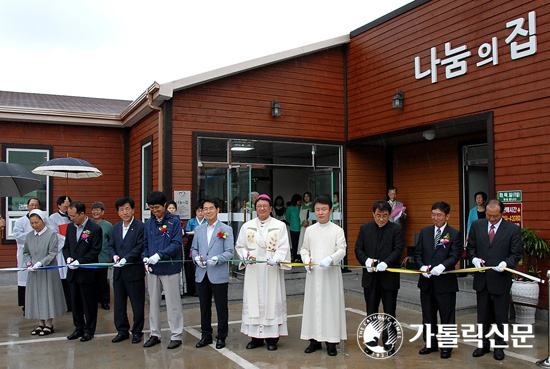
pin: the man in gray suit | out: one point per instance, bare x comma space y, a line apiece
212, 246
394, 203
493, 242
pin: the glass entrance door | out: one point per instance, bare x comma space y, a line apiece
327, 183
475, 175
231, 187
239, 189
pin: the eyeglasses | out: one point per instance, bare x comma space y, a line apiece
381, 216
262, 206
211, 208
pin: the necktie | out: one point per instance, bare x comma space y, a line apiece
492, 233
437, 237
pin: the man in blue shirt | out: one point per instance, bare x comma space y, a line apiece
162, 241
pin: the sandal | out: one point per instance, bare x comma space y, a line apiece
47, 330
37, 330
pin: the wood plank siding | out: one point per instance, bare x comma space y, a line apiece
366, 183
517, 92
310, 90
102, 147
146, 128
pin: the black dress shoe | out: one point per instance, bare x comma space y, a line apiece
86, 337
272, 346
331, 349
119, 338
498, 354
136, 338
256, 342
174, 344
105, 306
75, 335
445, 354
313, 346
427, 350
204, 342
152, 341
220, 343
480, 351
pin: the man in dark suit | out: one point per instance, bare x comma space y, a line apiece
379, 246
126, 246
82, 246
493, 242
438, 249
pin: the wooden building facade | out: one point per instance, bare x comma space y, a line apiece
476, 82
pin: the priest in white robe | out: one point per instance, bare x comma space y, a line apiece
324, 315
264, 239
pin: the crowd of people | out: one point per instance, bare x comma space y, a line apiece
153, 253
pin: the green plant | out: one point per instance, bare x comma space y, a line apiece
534, 249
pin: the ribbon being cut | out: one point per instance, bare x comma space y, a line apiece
391, 270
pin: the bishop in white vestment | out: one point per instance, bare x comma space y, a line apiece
264, 239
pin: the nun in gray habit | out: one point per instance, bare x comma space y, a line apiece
44, 297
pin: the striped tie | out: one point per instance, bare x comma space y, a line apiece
437, 237
492, 233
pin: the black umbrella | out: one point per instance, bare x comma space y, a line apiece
67, 168
16, 180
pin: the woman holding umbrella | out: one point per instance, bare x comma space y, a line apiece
44, 298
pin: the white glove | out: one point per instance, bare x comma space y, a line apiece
369, 263
274, 260
308, 267
36, 266
199, 262
381, 267
438, 270
213, 261
246, 259
425, 270
153, 259
478, 263
116, 259
325, 263
69, 260
120, 263
74, 264
498, 268
148, 269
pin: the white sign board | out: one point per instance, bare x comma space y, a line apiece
183, 200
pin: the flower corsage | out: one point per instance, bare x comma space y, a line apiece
85, 235
164, 231
222, 234
444, 241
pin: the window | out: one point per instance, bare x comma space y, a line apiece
16, 207
146, 177
268, 153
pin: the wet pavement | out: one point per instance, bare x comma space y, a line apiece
18, 349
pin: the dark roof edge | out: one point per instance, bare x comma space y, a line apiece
387, 17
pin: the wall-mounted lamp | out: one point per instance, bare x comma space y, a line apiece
398, 99
275, 109
429, 135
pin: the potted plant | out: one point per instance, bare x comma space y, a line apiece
523, 290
